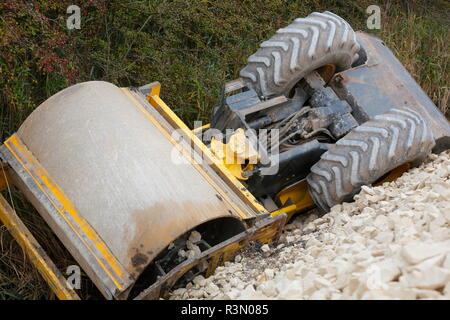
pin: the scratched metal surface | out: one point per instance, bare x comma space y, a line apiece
115, 166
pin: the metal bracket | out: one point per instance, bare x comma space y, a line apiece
33, 250
264, 231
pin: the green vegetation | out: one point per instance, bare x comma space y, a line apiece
191, 47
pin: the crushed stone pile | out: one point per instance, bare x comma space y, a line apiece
393, 242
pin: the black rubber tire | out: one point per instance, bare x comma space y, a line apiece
367, 153
302, 47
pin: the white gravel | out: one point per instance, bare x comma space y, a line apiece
393, 242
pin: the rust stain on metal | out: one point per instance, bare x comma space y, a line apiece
154, 228
139, 259
264, 231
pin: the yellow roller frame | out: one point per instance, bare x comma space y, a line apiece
35, 253
291, 200
216, 164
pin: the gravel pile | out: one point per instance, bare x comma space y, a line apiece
393, 242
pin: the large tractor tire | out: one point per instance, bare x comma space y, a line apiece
305, 45
367, 153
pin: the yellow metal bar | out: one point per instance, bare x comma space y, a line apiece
35, 252
200, 129
294, 199
264, 231
216, 164
67, 211
139, 106
297, 198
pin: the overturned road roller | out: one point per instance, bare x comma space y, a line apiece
144, 204
97, 163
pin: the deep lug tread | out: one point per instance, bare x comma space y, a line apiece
304, 46
371, 150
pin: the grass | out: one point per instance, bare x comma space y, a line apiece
191, 47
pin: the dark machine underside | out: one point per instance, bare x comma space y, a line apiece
319, 111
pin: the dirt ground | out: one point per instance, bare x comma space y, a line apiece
393, 242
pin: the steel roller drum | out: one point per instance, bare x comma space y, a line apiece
115, 166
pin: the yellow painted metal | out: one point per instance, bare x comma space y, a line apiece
291, 200
187, 155
238, 155
202, 128
67, 211
41, 180
155, 89
215, 163
297, 198
266, 230
35, 253
294, 199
